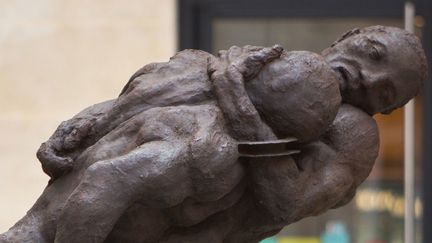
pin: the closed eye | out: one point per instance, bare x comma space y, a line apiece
376, 49
344, 73
374, 54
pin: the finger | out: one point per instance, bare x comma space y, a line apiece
234, 53
250, 48
213, 65
78, 134
222, 56
256, 60
222, 53
265, 55
248, 68
57, 166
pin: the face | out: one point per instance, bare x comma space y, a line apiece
376, 70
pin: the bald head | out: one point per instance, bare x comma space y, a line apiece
296, 95
381, 68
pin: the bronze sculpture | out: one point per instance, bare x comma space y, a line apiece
160, 163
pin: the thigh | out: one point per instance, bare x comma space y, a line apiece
150, 173
177, 152
213, 163
154, 173
215, 169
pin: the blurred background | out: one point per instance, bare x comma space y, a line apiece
58, 57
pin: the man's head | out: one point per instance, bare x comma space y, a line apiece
381, 68
296, 95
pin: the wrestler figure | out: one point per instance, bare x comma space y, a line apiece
157, 175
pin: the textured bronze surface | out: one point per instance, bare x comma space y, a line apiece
161, 163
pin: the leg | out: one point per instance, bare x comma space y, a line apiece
109, 187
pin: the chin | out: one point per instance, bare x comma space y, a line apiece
368, 110
360, 105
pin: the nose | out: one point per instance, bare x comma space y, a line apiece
371, 81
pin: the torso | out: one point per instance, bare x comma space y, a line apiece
353, 136
215, 172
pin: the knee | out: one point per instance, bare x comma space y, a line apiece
213, 152
98, 189
165, 191
215, 142
99, 180
95, 172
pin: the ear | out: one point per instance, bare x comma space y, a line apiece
350, 33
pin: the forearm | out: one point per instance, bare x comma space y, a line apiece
67, 127
228, 73
274, 182
328, 171
289, 188
243, 119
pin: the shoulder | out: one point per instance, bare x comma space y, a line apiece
186, 116
353, 133
353, 121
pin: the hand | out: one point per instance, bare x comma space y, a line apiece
79, 132
228, 73
246, 61
68, 137
53, 165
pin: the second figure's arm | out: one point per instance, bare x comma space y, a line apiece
324, 175
228, 73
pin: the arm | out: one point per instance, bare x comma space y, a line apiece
73, 136
56, 155
144, 70
326, 173
228, 73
